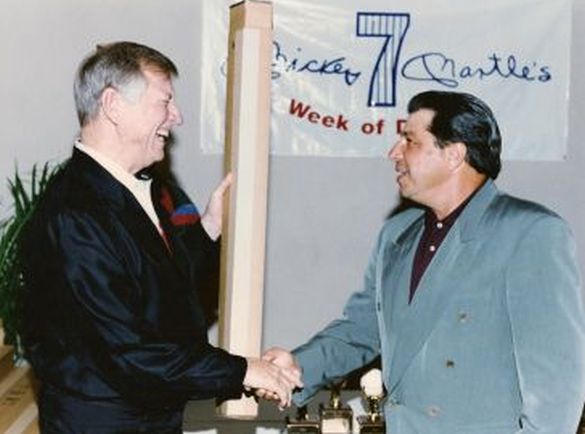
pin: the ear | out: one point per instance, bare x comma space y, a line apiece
456, 153
111, 101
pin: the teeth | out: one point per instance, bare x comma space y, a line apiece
400, 170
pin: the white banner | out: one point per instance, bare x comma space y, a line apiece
343, 71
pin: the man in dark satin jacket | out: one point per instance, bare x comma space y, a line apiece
114, 264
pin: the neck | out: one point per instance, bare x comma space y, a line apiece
457, 194
106, 143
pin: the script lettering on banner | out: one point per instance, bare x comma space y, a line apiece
343, 71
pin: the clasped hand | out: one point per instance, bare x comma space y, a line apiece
274, 376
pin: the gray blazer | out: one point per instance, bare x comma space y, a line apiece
494, 340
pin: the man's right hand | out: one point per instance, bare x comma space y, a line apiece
282, 358
277, 381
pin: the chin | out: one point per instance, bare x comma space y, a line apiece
159, 156
411, 196
404, 192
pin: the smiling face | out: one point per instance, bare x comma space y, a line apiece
146, 120
423, 169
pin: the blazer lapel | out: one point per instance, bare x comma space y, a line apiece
145, 232
415, 322
124, 204
412, 324
396, 266
165, 206
397, 269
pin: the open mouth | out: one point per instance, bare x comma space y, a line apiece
163, 135
400, 171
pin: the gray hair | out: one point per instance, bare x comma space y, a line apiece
117, 65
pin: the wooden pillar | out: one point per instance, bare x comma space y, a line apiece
247, 135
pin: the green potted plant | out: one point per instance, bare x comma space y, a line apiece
25, 195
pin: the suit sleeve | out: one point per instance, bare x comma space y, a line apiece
103, 301
345, 344
546, 311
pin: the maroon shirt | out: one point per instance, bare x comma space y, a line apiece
435, 232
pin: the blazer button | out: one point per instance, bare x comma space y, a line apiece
450, 364
433, 410
463, 317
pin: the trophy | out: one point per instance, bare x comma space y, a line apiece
335, 418
303, 424
373, 422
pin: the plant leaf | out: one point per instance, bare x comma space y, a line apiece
11, 230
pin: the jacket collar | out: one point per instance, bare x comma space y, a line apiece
468, 221
119, 199
104, 183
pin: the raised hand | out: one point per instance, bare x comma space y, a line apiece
212, 217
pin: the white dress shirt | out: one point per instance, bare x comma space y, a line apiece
139, 188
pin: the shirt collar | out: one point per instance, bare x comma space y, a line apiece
127, 179
431, 219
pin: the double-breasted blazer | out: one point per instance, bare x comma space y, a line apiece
111, 310
494, 339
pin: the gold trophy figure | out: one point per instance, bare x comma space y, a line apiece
373, 391
335, 418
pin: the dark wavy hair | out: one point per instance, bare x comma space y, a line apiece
462, 117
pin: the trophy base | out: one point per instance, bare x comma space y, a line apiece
371, 425
336, 420
302, 427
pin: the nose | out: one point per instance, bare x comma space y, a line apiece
395, 151
175, 114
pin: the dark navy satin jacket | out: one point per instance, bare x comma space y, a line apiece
111, 312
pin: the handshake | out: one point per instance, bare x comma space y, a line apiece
274, 376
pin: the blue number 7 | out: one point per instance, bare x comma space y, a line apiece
392, 27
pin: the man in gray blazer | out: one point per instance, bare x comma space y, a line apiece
472, 298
